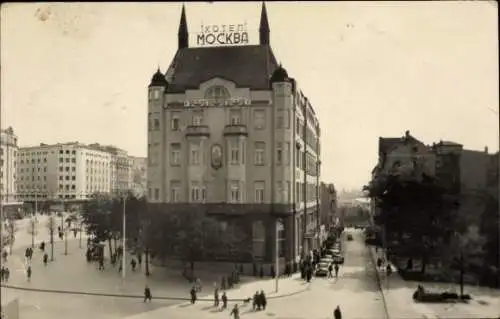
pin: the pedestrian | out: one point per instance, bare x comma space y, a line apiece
133, 264
379, 262
4, 255
216, 297
6, 274
273, 272
308, 273
330, 269
336, 270
256, 301
235, 312
263, 300
42, 246
74, 232
223, 283
147, 294
254, 269
45, 259
101, 263
337, 314
224, 300
120, 267
28, 273
139, 259
193, 295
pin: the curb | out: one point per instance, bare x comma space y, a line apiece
379, 282
99, 294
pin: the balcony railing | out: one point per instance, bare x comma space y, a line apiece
197, 130
236, 129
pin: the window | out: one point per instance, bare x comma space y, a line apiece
175, 154
235, 117
279, 153
235, 191
260, 153
194, 154
156, 94
217, 93
286, 192
197, 119
156, 124
175, 191
282, 119
297, 191
259, 119
198, 192
279, 192
157, 194
235, 152
175, 122
259, 191
286, 153
259, 240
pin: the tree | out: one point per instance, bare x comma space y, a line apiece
51, 226
32, 230
97, 216
415, 212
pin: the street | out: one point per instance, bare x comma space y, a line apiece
356, 291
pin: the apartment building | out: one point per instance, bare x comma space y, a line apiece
120, 168
139, 177
62, 172
8, 155
230, 133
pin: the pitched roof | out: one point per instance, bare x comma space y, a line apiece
386, 144
246, 66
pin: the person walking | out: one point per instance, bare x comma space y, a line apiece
28, 273
216, 297
256, 301
193, 295
337, 314
45, 259
235, 312
224, 300
336, 270
147, 294
263, 300
330, 269
133, 264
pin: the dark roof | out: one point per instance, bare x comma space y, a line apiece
158, 79
246, 66
386, 144
279, 75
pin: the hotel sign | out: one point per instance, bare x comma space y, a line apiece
236, 101
224, 34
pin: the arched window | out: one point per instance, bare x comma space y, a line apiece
259, 240
217, 93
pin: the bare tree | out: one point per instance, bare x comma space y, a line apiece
32, 230
11, 229
51, 226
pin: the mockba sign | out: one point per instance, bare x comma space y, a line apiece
234, 101
223, 34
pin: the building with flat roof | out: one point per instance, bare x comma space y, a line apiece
231, 134
8, 155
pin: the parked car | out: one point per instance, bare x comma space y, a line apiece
327, 260
338, 259
322, 269
349, 237
333, 251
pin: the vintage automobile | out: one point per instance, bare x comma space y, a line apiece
322, 269
338, 259
349, 237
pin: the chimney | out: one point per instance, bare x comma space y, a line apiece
486, 149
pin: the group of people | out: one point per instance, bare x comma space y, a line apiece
259, 301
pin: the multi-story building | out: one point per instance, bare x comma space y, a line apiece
139, 176
328, 204
8, 154
231, 134
120, 168
62, 172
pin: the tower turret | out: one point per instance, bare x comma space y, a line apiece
183, 34
264, 26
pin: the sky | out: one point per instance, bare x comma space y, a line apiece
80, 71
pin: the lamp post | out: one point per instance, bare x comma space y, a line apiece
124, 263
278, 228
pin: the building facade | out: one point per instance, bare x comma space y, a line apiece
120, 168
139, 176
231, 134
8, 155
62, 172
328, 205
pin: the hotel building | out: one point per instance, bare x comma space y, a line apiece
231, 134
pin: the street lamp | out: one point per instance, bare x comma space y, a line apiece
279, 227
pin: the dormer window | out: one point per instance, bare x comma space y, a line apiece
217, 93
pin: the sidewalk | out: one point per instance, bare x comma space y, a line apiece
399, 303
204, 306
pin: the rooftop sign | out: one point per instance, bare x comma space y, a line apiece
223, 34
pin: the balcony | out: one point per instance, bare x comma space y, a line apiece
236, 129
197, 130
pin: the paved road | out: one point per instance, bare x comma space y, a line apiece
356, 291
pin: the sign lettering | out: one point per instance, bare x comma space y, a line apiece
236, 101
224, 34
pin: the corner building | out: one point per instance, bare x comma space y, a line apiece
231, 134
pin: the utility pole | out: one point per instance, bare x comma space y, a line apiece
124, 264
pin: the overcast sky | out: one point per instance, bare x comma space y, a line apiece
79, 72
